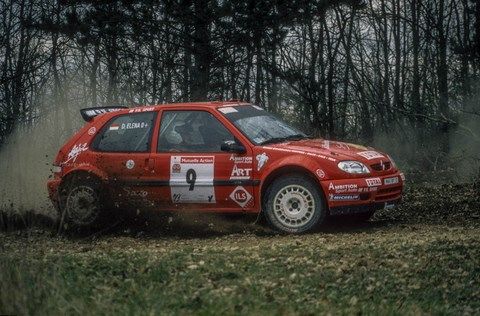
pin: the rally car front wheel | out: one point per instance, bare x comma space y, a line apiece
81, 203
294, 204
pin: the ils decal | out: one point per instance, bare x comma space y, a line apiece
241, 196
191, 179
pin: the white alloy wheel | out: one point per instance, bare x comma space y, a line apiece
294, 206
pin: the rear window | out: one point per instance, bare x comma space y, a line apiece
126, 133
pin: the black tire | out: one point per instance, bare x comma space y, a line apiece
82, 204
294, 204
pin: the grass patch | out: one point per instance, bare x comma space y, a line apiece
423, 257
389, 270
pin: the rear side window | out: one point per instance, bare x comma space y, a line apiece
126, 133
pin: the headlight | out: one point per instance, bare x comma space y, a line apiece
353, 167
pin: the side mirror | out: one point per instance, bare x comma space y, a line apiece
232, 147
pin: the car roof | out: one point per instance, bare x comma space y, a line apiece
174, 106
213, 104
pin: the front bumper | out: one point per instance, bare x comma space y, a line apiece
359, 195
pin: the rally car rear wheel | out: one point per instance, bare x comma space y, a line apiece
294, 204
81, 204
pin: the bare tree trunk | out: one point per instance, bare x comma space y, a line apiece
201, 51
442, 77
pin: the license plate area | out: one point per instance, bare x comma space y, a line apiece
389, 181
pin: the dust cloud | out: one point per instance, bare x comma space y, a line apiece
465, 140
26, 161
424, 161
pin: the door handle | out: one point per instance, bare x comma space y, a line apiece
150, 164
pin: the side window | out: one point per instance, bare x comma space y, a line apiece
126, 133
191, 131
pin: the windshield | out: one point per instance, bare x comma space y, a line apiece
259, 126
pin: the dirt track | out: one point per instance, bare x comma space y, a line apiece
422, 257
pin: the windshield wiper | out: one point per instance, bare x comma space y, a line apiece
282, 139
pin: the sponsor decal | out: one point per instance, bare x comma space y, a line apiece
206, 160
228, 109
372, 189
241, 159
91, 131
402, 176
326, 144
294, 151
320, 173
370, 154
135, 193
176, 168
95, 112
349, 197
373, 182
261, 160
342, 187
241, 196
342, 145
144, 109
191, 179
240, 173
133, 125
392, 180
75, 151
130, 164
114, 127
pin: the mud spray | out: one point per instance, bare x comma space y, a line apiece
26, 162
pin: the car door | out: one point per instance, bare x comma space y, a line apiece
198, 174
122, 150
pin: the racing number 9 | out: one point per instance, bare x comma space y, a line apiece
191, 178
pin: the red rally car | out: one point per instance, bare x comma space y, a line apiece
215, 156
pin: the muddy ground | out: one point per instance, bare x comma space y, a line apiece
423, 257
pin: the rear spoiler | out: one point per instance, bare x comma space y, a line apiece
89, 113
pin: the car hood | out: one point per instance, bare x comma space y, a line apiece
332, 149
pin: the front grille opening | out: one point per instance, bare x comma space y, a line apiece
381, 166
389, 190
364, 196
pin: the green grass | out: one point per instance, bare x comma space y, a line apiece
375, 269
422, 258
